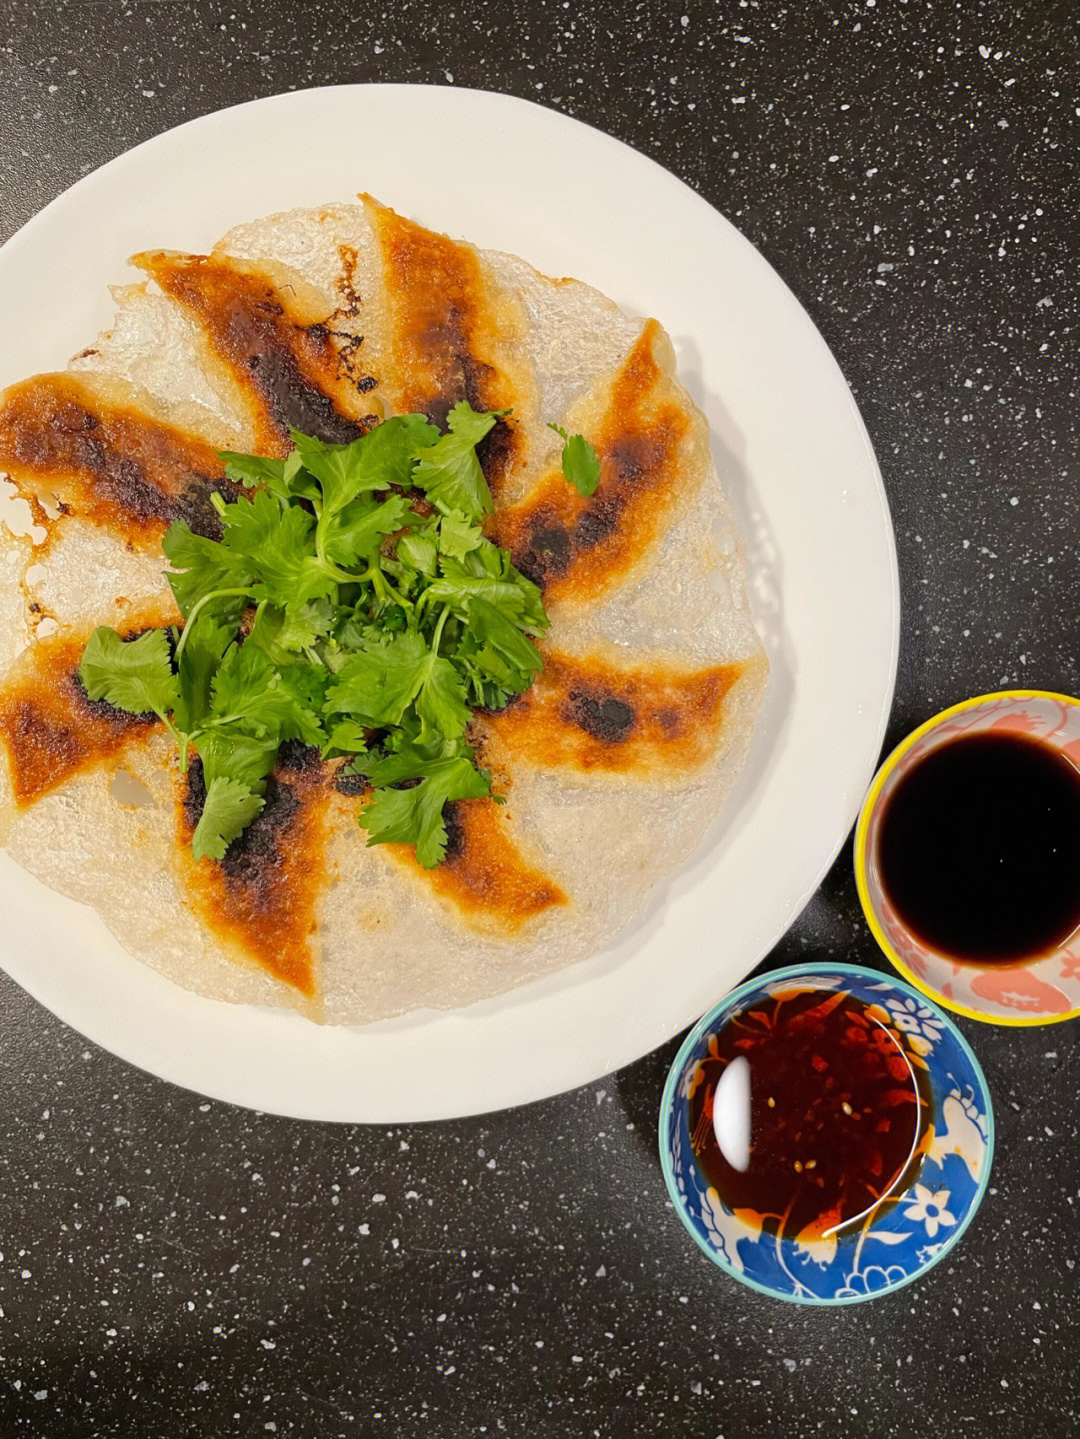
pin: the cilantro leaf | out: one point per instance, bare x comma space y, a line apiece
456, 587
201, 566
356, 532
580, 462
281, 477
274, 542
457, 536
501, 636
415, 816
389, 449
345, 737
229, 808
379, 682
441, 702
305, 685
381, 458
283, 634
248, 693
241, 757
449, 471
209, 637
336, 467
419, 551
134, 675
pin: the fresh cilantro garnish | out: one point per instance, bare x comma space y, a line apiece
338, 610
449, 471
229, 808
415, 815
580, 462
136, 675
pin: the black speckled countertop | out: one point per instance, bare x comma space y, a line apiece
173, 1267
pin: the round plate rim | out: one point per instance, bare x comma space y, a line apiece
185, 1063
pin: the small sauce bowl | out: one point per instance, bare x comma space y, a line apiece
1035, 991
905, 1234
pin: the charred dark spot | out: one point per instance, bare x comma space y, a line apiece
496, 450
634, 456
455, 832
194, 793
351, 784
253, 331
195, 506
606, 718
436, 411
294, 754
349, 347
595, 525
74, 439
295, 402
256, 849
463, 377
548, 553
346, 284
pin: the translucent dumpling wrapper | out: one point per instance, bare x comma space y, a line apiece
612, 766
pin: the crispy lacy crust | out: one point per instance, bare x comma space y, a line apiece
576, 547
592, 715
106, 460
261, 898
286, 351
278, 347
485, 875
51, 728
452, 335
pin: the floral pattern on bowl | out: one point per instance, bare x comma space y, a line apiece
1040, 991
907, 1233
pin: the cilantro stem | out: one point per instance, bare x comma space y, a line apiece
195, 609
382, 586
439, 629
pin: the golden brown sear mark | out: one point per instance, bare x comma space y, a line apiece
108, 462
50, 727
262, 896
593, 716
484, 873
444, 333
573, 546
287, 364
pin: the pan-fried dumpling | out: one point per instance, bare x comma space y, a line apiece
610, 768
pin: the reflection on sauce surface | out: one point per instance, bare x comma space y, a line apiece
807, 1112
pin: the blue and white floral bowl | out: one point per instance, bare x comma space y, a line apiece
903, 1237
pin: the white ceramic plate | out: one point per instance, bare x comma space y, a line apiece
797, 465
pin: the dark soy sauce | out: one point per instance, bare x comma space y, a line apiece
819, 1111
979, 849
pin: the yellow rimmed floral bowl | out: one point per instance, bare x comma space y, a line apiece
1036, 991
